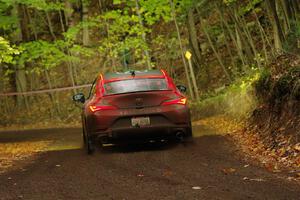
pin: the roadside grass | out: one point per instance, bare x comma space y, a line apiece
11, 153
237, 100
222, 124
41, 125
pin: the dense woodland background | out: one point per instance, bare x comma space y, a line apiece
47, 44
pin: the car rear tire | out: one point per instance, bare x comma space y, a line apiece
90, 148
88, 143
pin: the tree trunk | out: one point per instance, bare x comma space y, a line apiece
182, 51
146, 52
21, 36
287, 18
194, 80
239, 34
193, 36
61, 21
215, 51
264, 35
250, 39
1, 78
52, 94
234, 39
70, 23
85, 30
50, 26
229, 50
277, 30
32, 24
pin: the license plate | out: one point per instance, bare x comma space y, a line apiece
140, 121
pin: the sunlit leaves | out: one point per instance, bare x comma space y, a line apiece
42, 53
124, 32
72, 33
155, 10
228, 2
43, 5
7, 51
46, 55
245, 6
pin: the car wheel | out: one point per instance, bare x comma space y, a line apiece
90, 147
189, 138
88, 143
83, 136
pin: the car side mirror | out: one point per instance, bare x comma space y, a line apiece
79, 98
181, 88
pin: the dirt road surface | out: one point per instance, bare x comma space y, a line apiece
208, 168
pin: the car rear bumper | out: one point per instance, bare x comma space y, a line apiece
165, 122
143, 133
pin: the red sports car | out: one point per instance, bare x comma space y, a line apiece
134, 106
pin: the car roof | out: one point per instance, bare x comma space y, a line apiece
116, 76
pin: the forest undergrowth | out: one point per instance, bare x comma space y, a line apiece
268, 132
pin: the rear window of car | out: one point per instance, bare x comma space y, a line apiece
135, 85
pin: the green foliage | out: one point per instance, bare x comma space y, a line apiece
7, 22
43, 5
251, 6
7, 51
290, 44
237, 100
214, 31
243, 6
276, 88
124, 31
263, 84
44, 54
47, 55
37, 4
155, 10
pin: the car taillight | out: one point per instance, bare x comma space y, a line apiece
101, 107
181, 101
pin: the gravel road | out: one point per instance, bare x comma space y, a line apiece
208, 168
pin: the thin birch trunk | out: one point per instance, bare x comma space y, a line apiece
250, 40
231, 34
50, 26
52, 99
265, 35
274, 19
146, 52
214, 50
228, 47
182, 51
85, 29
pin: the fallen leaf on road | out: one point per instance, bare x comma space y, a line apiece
276, 171
167, 173
297, 147
257, 179
196, 188
228, 170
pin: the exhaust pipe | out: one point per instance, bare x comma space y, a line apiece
104, 140
179, 135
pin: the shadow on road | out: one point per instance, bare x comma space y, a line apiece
146, 171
